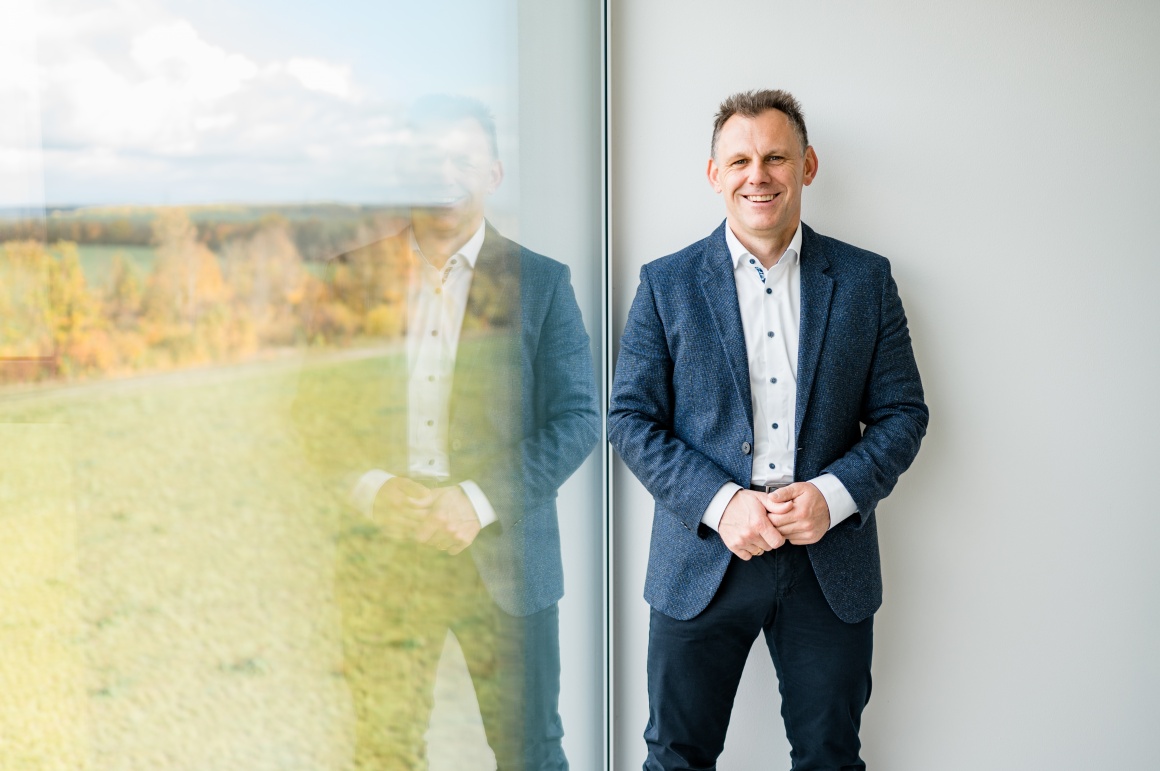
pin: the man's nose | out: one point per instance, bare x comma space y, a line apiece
448, 170
758, 173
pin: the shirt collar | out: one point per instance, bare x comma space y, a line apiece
738, 252
469, 251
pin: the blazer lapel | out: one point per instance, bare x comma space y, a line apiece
720, 290
485, 389
817, 289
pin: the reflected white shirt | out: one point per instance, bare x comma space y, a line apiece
437, 300
770, 304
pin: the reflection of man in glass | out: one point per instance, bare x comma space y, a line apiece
459, 441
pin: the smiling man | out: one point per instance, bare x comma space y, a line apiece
767, 396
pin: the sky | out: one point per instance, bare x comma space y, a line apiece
184, 101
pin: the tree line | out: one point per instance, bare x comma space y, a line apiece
201, 301
319, 232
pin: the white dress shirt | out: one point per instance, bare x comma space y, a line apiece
437, 300
770, 303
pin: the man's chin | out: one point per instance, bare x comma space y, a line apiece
446, 218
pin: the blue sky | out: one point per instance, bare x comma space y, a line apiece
184, 101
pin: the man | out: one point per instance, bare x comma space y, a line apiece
748, 362
456, 445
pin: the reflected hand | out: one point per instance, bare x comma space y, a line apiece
745, 525
401, 505
806, 518
451, 524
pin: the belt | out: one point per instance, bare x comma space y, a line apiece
768, 488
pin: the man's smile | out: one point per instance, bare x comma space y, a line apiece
760, 198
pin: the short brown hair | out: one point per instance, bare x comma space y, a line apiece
754, 103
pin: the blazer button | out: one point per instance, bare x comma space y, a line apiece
746, 447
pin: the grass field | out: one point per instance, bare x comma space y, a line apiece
97, 260
166, 574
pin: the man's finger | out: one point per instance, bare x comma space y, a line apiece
769, 536
776, 507
782, 521
787, 493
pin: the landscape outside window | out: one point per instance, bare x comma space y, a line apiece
204, 352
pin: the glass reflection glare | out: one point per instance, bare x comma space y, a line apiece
207, 296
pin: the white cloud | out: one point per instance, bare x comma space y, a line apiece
174, 53
133, 98
323, 77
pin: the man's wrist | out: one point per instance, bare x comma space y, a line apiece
366, 489
838, 498
716, 508
479, 502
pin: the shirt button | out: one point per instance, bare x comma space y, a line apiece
438, 290
769, 333
769, 291
452, 260
431, 462
434, 333
430, 378
746, 447
752, 261
771, 465
773, 380
432, 422
775, 425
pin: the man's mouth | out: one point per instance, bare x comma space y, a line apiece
758, 198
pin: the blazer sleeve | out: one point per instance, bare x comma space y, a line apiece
560, 414
566, 415
681, 479
892, 410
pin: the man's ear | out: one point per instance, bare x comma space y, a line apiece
712, 173
496, 176
811, 166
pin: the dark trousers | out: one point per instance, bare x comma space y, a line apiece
822, 664
398, 600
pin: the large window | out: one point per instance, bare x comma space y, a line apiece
229, 235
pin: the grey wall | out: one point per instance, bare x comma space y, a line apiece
1004, 157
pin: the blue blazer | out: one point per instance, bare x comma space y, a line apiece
523, 413
681, 415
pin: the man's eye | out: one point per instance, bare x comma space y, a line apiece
740, 161
774, 158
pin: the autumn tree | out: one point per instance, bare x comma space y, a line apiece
266, 276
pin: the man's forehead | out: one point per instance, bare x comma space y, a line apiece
770, 129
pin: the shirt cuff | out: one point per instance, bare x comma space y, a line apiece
479, 501
712, 515
837, 497
362, 495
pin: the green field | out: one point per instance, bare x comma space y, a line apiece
97, 260
167, 569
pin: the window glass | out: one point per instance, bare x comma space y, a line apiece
300, 385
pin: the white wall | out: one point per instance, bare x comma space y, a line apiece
1004, 156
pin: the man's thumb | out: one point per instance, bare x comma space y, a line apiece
783, 494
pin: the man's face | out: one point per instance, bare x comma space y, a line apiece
760, 169
452, 171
